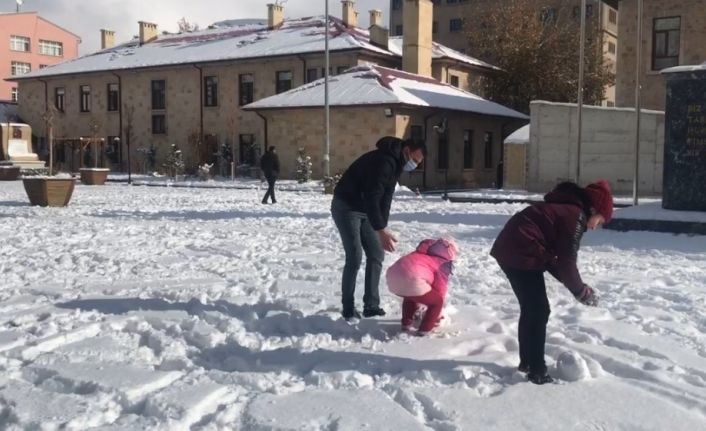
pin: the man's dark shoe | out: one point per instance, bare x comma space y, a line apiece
539, 379
373, 311
350, 314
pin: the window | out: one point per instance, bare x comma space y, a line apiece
20, 68
247, 87
323, 71
577, 12
589, 10
19, 43
398, 30
210, 91
610, 104
468, 149
159, 124
612, 48
442, 159
59, 98
312, 75
14, 95
85, 98
451, 1
49, 47
42, 66
548, 15
159, 90
434, 27
665, 42
396, 4
455, 24
613, 16
488, 150
453, 80
341, 69
284, 81
113, 97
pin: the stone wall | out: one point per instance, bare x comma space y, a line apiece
607, 149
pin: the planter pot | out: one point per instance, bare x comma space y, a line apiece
52, 192
9, 173
94, 176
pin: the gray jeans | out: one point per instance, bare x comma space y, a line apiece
357, 236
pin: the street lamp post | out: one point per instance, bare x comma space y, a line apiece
638, 103
326, 98
579, 121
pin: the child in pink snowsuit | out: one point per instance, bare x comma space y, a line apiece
421, 278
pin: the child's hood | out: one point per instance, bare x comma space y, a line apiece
444, 248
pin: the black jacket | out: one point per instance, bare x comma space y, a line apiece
369, 183
269, 163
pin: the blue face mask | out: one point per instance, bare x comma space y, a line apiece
410, 166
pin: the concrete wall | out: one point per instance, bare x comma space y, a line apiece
607, 147
692, 49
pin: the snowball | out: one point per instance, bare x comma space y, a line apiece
572, 367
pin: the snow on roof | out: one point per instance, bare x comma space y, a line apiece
376, 85
232, 40
520, 136
440, 51
688, 68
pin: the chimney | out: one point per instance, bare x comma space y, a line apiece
417, 21
275, 15
107, 38
349, 15
148, 31
380, 36
376, 18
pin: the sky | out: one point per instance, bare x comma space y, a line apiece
86, 17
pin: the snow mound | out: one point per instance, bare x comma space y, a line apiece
572, 367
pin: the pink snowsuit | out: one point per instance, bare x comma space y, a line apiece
421, 277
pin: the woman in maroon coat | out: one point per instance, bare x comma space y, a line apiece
546, 237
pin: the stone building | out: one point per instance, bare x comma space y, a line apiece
452, 16
188, 89
673, 34
463, 132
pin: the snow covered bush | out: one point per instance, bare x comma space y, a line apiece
330, 182
303, 166
174, 165
205, 171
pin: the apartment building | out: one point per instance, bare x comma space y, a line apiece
30, 43
451, 18
189, 89
673, 34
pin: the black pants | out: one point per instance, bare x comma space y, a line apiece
358, 236
271, 179
530, 290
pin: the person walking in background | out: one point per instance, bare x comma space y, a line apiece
421, 278
360, 210
546, 237
269, 163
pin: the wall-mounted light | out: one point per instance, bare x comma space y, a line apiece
388, 112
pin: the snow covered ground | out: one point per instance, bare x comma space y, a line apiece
202, 309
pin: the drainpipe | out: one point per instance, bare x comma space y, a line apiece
304, 77
120, 117
266, 137
46, 107
200, 114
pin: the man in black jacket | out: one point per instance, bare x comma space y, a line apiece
269, 163
361, 208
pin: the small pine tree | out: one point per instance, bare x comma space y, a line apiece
303, 166
174, 164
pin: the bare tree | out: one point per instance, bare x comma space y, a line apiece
538, 49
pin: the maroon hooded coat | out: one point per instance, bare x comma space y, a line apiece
546, 236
